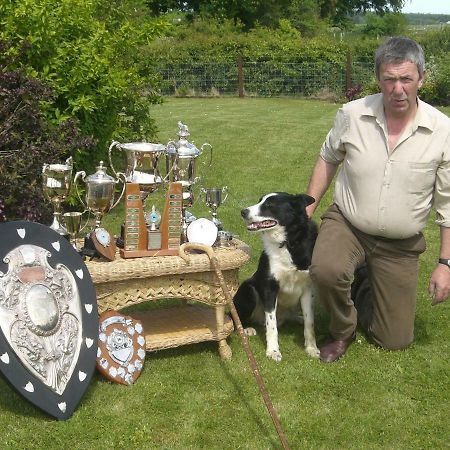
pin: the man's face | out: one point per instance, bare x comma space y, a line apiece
399, 84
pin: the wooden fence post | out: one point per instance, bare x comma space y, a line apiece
240, 76
348, 72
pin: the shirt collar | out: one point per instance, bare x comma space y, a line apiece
373, 106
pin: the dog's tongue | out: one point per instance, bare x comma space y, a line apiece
258, 225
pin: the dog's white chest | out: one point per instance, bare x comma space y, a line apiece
291, 280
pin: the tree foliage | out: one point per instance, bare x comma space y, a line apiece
269, 12
87, 52
27, 140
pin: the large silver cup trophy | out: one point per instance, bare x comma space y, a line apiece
182, 161
100, 187
56, 182
143, 164
214, 197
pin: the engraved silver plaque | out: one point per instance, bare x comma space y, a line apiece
48, 317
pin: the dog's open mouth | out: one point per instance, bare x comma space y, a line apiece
263, 225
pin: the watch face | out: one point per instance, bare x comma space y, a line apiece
102, 236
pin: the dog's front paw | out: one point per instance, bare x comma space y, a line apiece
250, 331
274, 354
314, 352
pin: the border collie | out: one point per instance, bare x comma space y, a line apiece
281, 287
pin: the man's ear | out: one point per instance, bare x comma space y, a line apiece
422, 79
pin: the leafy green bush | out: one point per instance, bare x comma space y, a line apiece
88, 53
27, 141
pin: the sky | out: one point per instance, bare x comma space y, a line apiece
427, 6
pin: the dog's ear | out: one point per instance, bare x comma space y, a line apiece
309, 200
305, 199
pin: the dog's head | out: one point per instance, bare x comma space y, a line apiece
278, 209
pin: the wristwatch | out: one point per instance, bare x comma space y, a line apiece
444, 261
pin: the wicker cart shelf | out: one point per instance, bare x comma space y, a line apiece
126, 282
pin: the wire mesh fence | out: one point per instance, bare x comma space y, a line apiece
263, 78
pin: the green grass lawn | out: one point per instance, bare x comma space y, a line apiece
187, 398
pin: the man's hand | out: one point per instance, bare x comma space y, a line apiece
439, 287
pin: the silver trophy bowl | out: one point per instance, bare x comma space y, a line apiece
143, 161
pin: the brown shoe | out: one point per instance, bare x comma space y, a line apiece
334, 349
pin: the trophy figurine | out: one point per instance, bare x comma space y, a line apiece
56, 182
214, 197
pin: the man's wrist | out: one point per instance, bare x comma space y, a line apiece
444, 261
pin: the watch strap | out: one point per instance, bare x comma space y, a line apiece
444, 261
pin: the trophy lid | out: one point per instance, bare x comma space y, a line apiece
100, 177
183, 146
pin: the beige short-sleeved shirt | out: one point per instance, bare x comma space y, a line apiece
384, 193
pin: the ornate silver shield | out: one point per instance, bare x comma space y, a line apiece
48, 317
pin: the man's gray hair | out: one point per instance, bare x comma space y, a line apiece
399, 49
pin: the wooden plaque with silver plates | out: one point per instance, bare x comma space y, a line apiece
139, 240
121, 347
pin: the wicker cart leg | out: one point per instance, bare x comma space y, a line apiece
224, 349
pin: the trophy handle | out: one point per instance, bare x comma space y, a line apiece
225, 191
210, 152
81, 173
113, 144
120, 174
202, 192
169, 166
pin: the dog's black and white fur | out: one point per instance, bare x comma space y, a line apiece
281, 283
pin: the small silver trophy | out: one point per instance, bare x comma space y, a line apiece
56, 182
99, 197
214, 197
72, 221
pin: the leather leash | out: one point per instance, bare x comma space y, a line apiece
262, 388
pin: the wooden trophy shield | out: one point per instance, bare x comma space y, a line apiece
104, 243
136, 233
121, 347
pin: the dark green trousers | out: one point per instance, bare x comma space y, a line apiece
392, 266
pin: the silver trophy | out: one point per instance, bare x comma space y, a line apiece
143, 164
181, 164
56, 182
99, 196
214, 197
72, 220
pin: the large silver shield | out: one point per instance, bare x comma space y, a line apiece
48, 317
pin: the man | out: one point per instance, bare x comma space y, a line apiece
394, 155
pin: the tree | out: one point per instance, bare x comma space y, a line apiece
248, 12
388, 24
27, 141
88, 53
338, 11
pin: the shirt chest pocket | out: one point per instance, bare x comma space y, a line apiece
422, 177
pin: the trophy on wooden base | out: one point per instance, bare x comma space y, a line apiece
99, 199
152, 234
